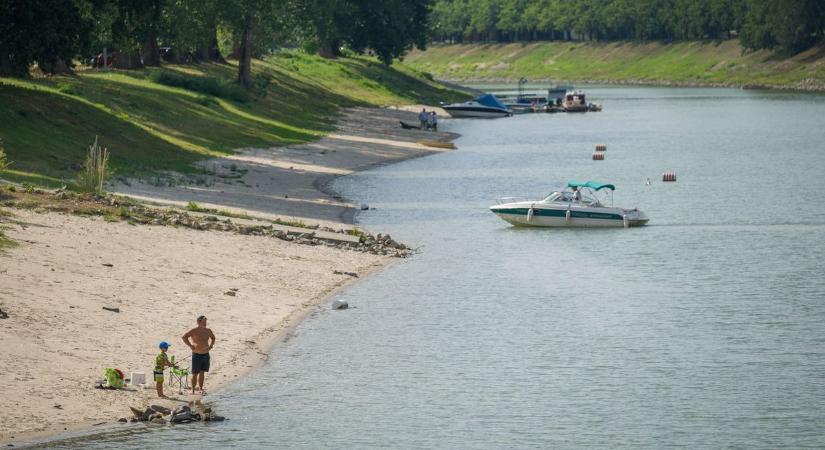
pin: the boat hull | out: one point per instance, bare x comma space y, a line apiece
461, 113
578, 217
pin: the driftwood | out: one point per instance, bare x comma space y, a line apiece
407, 126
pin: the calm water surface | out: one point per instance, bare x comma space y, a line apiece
702, 330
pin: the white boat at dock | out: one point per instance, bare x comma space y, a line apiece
577, 206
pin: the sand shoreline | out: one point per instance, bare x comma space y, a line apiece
51, 277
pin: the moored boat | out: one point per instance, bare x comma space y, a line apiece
577, 206
485, 106
557, 92
574, 101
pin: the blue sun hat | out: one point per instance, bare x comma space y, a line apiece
163, 344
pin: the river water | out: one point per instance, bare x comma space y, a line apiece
705, 329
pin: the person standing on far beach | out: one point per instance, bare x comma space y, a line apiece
422, 118
202, 340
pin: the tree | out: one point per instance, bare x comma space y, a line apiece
190, 28
390, 27
48, 32
247, 17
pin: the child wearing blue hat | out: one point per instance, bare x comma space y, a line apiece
161, 363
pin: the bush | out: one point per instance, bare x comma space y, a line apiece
4, 163
260, 84
95, 170
204, 85
205, 100
66, 88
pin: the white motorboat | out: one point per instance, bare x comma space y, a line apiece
486, 106
577, 206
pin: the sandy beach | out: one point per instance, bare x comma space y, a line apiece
55, 283
290, 182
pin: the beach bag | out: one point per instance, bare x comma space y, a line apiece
114, 379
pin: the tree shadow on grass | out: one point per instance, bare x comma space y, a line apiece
48, 135
399, 83
170, 114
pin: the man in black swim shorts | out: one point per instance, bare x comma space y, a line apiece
202, 340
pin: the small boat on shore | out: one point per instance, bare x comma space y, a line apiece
577, 206
485, 106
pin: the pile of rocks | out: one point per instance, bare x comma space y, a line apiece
378, 245
128, 209
161, 415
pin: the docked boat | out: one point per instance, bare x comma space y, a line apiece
574, 101
487, 106
522, 106
577, 206
557, 92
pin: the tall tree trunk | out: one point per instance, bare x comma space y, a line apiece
211, 51
236, 45
151, 51
56, 67
245, 55
6, 67
330, 49
129, 60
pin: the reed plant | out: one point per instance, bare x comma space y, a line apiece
96, 169
4, 163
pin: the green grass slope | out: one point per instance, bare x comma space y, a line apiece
700, 63
155, 120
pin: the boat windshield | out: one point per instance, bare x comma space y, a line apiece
567, 196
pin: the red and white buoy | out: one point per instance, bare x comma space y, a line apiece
598, 156
601, 147
669, 176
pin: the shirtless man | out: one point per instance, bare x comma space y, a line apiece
202, 340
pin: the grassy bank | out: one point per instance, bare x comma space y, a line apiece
689, 63
155, 120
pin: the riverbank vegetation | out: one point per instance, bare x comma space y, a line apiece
715, 63
47, 123
165, 83
790, 26
774, 43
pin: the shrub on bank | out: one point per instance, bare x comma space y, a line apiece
4, 163
204, 85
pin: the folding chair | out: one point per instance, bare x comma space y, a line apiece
179, 375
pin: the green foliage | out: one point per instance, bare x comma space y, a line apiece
192, 206
66, 88
4, 162
721, 63
96, 169
362, 235
49, 32
386, 28
792, 24
205, 85
291, 223
158, 128
206, 100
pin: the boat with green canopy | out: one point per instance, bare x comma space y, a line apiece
577, 206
